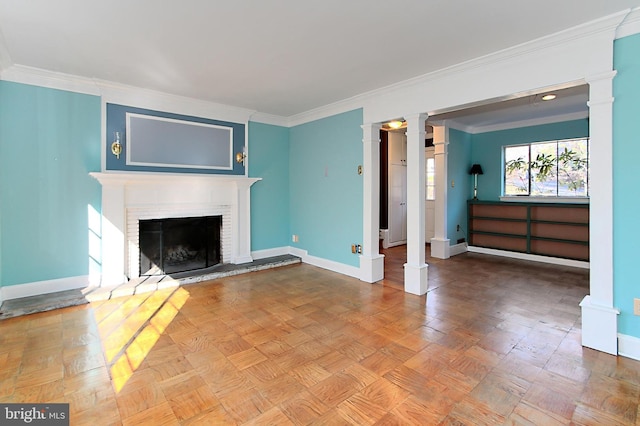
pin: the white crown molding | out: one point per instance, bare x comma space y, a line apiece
50, 79
112, 92
5, 56
264, 118
630, 25
121, 93
520, 123
621, 24
329, 110
596, 27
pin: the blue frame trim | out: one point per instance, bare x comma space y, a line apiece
116, 122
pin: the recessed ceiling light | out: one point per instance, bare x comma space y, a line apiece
549, 97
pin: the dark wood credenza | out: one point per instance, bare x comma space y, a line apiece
547, 229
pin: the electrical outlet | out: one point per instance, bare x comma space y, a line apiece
359, 248
294, 238
353, 248
636, 306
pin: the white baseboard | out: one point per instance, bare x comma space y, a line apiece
531, 257
44, 287
457, 249
340, 268
629, 346
272, 252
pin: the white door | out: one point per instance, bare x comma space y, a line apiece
397, 188
430, 194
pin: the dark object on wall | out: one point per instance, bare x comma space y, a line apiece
476, 170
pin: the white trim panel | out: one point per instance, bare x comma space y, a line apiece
629, 346
457, 249
599, 326
330, 265
557, 200
530, 257
44, 287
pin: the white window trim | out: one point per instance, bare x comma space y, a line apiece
549, 199
538, 198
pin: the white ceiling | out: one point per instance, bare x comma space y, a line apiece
280, 57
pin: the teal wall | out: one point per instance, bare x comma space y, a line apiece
268, 149
325, 190
486, 150
49, 142
626, 202
458, 165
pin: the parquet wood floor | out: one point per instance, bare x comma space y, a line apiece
494, 341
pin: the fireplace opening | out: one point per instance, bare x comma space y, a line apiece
183, 244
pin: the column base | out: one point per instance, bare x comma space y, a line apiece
242, 259
415, 279
599, 326
372, 268
440, 248
112, 280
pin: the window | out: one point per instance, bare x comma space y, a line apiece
430, 179
547, 169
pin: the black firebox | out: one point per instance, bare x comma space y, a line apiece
179, 244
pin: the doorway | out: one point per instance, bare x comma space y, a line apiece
430, 193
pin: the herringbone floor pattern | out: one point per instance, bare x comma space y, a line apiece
494, 341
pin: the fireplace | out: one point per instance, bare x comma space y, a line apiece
182, 244
131, 198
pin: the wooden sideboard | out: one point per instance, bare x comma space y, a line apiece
547, 229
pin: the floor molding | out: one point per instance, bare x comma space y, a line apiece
531, 257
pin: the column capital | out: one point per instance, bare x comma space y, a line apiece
416, 123
417, 116
440, 136
371, 132
602, 77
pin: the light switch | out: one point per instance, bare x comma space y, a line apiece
453, 183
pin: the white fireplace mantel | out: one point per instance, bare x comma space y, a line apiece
127, 197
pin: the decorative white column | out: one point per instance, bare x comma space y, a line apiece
599, 317
371, 261
415, 270
440, 246
242, 226
113, 232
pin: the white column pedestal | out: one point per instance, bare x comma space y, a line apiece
601, 322
440, 248
372, 268
416, 279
